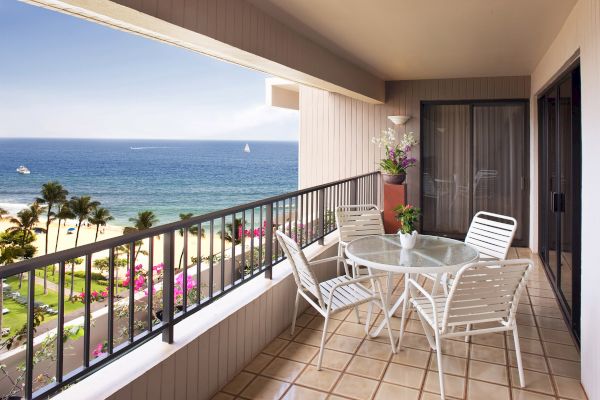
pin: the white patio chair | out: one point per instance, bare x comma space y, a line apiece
354, 222
331, 296
482, 293
491, 234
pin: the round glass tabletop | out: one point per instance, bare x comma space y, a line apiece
431, 254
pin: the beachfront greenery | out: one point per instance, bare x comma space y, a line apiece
144, 220
82, 207
193, 230
100, 217
64, 213
52, 193
3, 213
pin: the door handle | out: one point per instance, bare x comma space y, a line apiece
558, 202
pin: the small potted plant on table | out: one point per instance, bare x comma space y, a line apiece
397, 156
408, 216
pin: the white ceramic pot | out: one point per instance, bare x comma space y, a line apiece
408, 240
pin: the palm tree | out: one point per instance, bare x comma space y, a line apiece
64, 213
100, 216
24, 223
193, 230
82, 207
53, 193
3, 213
144, 220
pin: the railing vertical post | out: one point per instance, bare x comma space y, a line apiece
168, 286
321, 205
269, 242
376, 190
29, 350
353, 191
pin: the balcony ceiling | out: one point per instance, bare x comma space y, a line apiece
423, 39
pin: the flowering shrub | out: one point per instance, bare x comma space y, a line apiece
100, 350
408, 217
256, 232
139, 278
397, 159
94, 296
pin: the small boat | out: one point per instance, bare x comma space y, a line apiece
23, 170
247, 148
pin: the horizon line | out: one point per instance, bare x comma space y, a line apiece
147, 139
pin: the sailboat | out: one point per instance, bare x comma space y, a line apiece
247, 148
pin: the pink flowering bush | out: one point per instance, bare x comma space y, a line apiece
256, 232
100, 350
94, 296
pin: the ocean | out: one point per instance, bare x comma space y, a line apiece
167, 177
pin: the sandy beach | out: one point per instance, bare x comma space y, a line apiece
87, 235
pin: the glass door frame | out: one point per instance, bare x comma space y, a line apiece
526, 152
571, 313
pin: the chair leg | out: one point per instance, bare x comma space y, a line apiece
518, 353
386, 317
438, 350
468, 337
406, 296
368, 321
295, 315
323, 337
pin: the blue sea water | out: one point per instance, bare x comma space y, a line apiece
167, 177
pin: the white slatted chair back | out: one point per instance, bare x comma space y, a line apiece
356, 221
303, 274
491, 234
486, 292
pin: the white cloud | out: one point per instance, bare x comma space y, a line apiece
29, 115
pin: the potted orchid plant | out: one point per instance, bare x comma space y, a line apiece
397, 155
408, 216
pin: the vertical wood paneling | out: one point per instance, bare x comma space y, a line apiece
192, 370
181, 358
203, 366
349, 124
167, 378
154, 380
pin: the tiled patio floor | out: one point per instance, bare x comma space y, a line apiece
357, 367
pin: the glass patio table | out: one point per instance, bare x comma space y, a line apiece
431, 255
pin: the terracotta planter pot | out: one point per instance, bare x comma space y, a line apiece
393, 179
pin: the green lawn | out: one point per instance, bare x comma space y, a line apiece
78, 282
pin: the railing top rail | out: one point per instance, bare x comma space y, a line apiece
53, 258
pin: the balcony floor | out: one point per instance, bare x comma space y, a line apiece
357, 367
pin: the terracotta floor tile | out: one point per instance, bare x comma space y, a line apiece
323, 380
404, 375
569, 369
367, 367
263, 388
412, 357
283, 369
222, 396
557, 350
258, 363
551, 335
310, 336
301, 393
477, 390
356, 387
299, 352
488, 372
275, 346
332, 359
415, 341
490, 339
488, 354
454, 385
318, 323
381, 351
343, 343
535, 381
351, 329
570, 388
520, 394
455, 348
387, 391
527, 345
552, 323
238, 383
530, 361
452, 365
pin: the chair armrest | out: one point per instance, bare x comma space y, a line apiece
427, 295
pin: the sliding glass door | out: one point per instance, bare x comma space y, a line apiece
560, 190
474, 157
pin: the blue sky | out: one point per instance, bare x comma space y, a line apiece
62, 76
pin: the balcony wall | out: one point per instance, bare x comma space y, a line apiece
336, 131
211, 347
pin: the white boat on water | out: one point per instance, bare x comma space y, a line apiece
247, 148
23, 170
